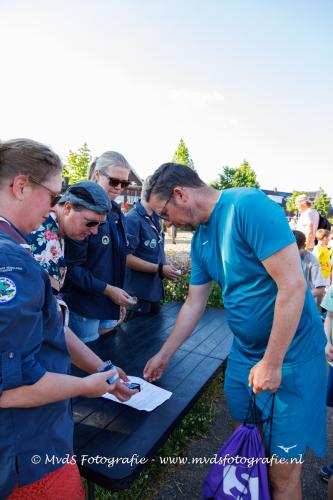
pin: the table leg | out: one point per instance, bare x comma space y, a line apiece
91, 490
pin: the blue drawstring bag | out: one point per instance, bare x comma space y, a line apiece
240, 468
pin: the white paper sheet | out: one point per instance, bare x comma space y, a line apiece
149, 397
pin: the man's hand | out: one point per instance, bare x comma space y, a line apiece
155, 367
118, 296
170, 272
265, 377
329, 352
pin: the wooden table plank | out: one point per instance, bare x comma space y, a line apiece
108, 429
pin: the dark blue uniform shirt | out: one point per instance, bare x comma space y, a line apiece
94, 263
32, 343
146, 241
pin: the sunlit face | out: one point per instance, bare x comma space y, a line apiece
119, 173
325, 240
302, 206
78, 224
36, 202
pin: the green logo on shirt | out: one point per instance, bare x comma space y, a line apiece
105, 240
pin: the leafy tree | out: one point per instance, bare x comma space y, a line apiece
242, 176
182, 155
322, 202
290, 204
77, 164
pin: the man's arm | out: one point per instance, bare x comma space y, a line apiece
309, 236
187, 320
285, 268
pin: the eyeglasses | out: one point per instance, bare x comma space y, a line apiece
115, 182
162, 215
55, 197
93, 223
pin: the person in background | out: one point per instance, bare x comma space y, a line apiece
308, 220
312, 271
146, 262
35, 388
93, 288
321, 251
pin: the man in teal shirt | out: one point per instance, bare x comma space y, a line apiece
243, 242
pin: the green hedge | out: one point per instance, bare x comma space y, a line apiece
177, 290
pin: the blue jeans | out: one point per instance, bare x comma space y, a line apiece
87, 328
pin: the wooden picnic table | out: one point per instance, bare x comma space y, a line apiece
104, 428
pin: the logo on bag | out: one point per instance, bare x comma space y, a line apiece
238, 483
285, 448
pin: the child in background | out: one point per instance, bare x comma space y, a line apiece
321, 251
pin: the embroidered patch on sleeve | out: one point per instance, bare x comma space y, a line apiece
7, 290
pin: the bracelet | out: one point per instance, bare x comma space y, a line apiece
160, 270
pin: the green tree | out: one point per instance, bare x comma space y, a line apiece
77, 164
225, 179
182, 155
322, 202
242, 176
290, 204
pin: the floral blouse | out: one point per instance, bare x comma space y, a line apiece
48, 248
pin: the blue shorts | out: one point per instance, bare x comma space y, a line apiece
299, 420
86, 328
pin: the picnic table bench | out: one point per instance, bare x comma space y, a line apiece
108, 429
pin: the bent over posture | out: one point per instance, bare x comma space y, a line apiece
243, 242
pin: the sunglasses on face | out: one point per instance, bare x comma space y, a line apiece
93, 223
55, 197
115, 182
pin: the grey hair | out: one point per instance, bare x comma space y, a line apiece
28, 157
110, 159
145, 187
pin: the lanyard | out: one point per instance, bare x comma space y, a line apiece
11, 231
153, 226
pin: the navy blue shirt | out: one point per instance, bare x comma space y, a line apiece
146, 241
32, 342
94, 263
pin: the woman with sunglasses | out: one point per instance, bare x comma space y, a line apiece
35, 388
93, 286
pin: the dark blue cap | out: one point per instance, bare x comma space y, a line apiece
89, 195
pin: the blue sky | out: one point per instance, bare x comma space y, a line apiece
236, 79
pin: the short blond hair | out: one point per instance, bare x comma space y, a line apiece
321, 234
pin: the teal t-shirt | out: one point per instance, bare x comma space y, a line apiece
245, 228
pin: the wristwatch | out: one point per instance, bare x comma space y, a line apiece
106, 366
